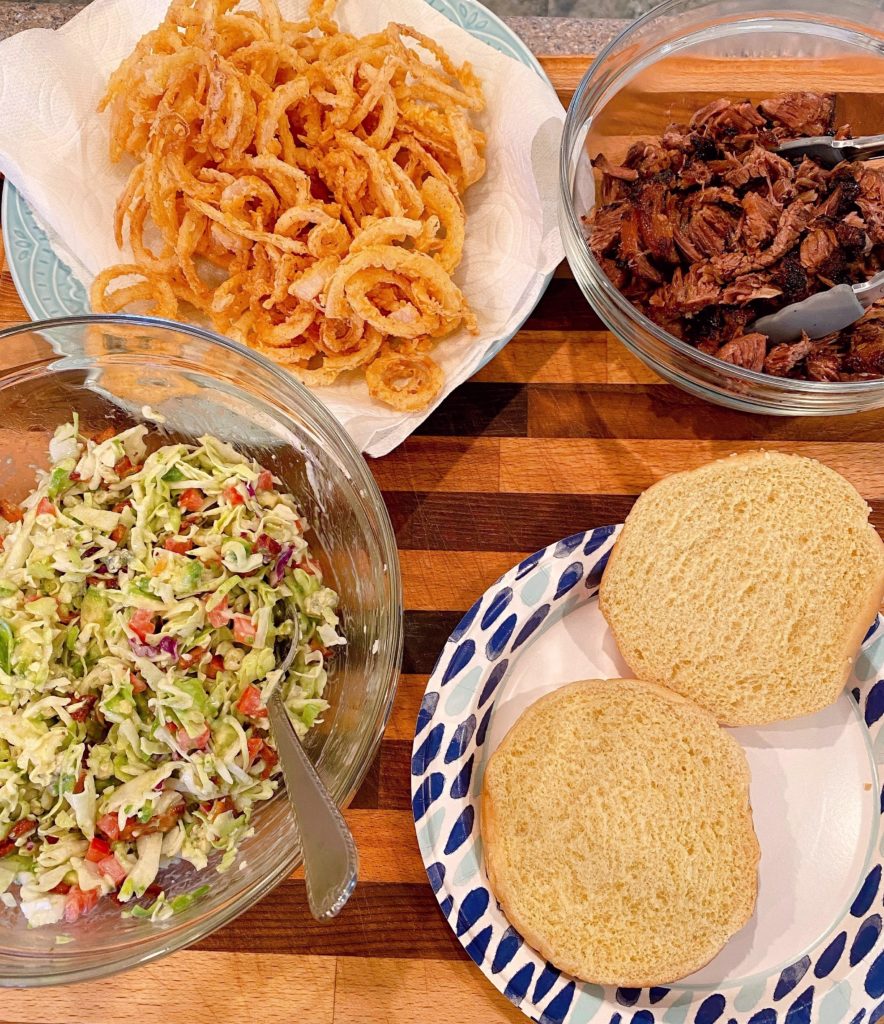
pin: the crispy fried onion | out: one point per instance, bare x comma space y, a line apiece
401, 293
299, 187
406, 382
151, 289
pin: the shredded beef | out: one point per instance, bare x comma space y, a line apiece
714, 325
761, 163
838, 201
704, 115
870, 199
760, 220
748, 350
688, 292
783, 358
695, 172
677, 136
649, 158
709, 228
616, 274
866, 351
705, 229
809, 174
824, 364
721, 118
731, 170
802, 113
791, 278
820, 249
605, 221
654, 226
782, 191
602, 163
631, 250
851, 237
792, 223
750, 288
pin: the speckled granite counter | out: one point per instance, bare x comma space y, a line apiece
542, 34
563, 35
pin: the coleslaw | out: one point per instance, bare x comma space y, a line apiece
144, 598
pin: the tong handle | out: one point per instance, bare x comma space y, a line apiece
865, 147
870, 291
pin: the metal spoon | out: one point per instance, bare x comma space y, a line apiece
330, 858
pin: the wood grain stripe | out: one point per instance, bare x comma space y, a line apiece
425, 636
495, 410
418, 992
395, 920
571, 396
664, 411
478, 521
615, 466
590, 465
451, 579
525, 521
409, 694
243, 987
563, 308
440, 464
387, 784
730, 77
197, 987
566, 357
11, 310
387, 845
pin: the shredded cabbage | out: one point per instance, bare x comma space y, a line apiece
145, 602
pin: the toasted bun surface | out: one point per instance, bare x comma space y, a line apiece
617, 832
746, 585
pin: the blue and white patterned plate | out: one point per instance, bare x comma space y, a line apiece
812, 953
47, 287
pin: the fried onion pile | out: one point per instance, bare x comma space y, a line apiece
299, 187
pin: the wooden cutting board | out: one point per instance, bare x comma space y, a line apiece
558, 434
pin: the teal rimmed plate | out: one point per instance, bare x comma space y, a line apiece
47, 287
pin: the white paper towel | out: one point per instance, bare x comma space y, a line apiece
54, 148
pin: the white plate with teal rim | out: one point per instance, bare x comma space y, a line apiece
47, 287
813, 952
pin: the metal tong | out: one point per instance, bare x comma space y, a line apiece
831, 152
823, 313
841, 306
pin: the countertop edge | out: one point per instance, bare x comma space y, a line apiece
543, 35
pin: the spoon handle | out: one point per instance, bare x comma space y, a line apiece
330, 858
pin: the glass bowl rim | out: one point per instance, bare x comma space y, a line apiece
580, 252
34, 974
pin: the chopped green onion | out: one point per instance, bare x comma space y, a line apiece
7, 643
59, 480
186, 899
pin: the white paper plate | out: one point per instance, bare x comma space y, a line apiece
813, 950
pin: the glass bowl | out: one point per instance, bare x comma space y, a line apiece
669, 63
110, 370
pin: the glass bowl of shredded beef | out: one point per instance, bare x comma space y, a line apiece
682, 224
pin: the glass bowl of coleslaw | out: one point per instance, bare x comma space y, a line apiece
162, 412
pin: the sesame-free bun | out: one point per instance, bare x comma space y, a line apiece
746, 585
617, 832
